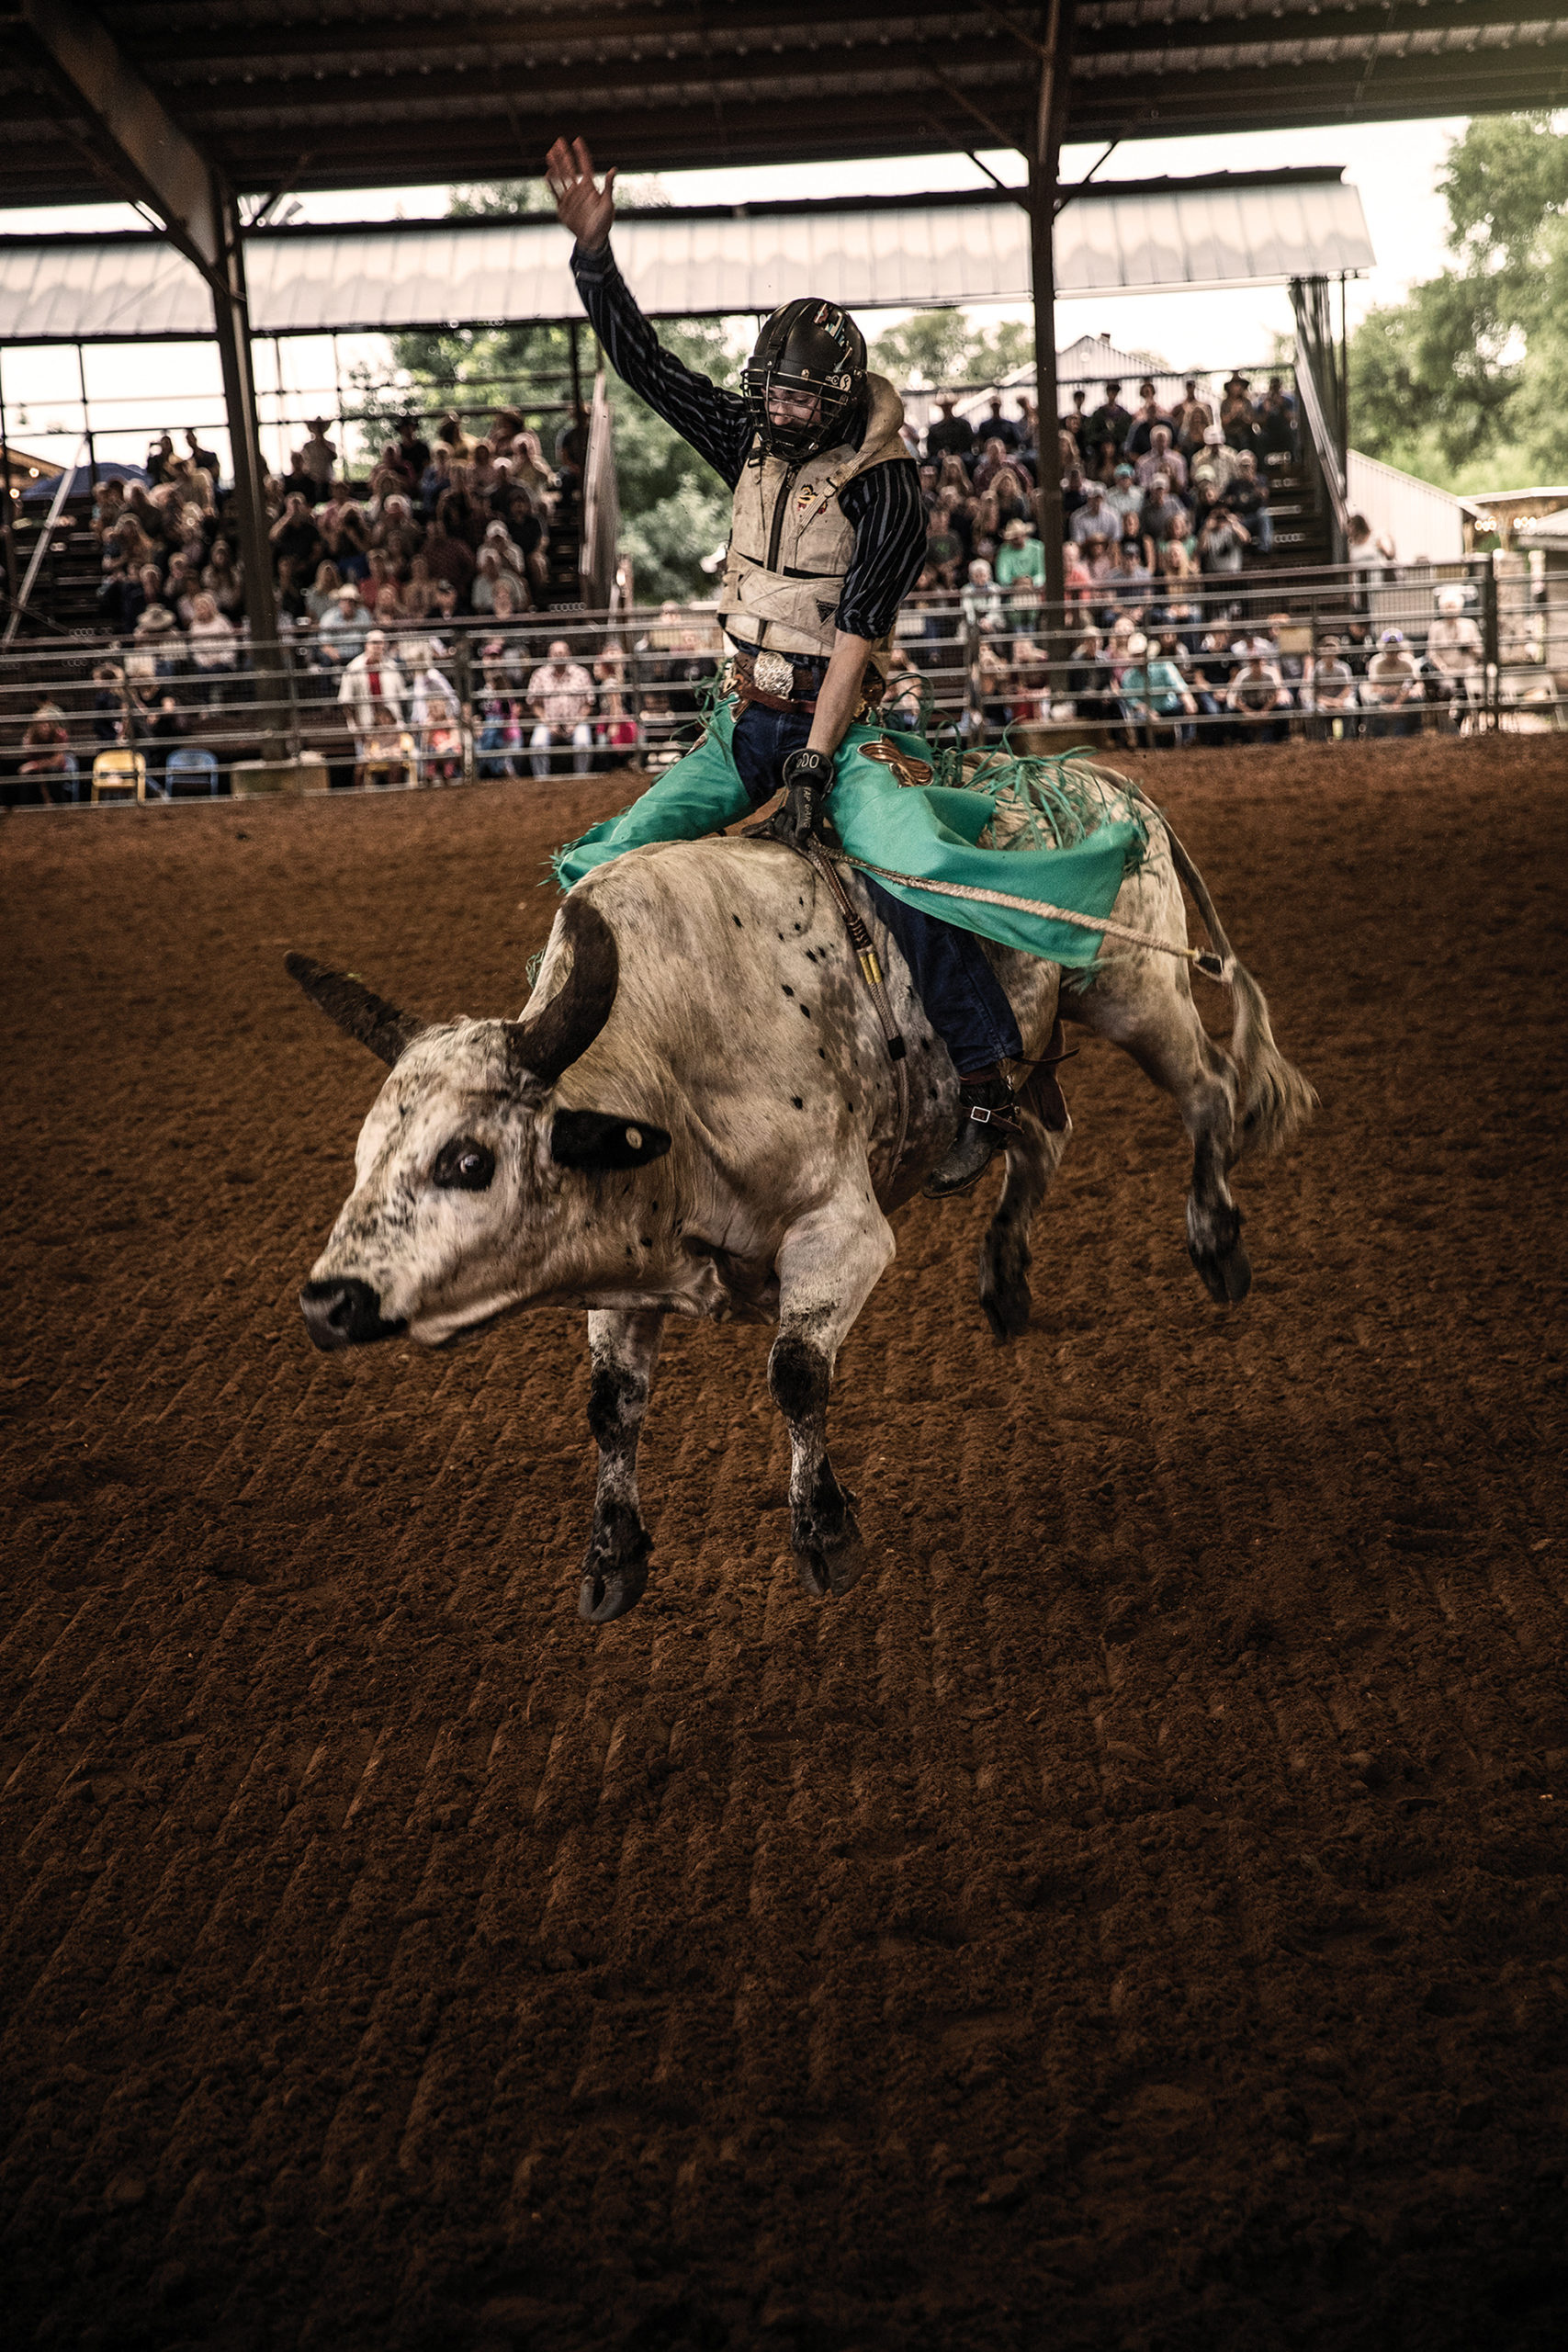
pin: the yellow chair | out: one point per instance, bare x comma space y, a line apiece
386, 764
120, 774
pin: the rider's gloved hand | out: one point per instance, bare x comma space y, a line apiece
807, 778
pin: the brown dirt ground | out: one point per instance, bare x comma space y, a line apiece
1135, 1917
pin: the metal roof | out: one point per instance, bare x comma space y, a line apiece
1226, 230
319, 94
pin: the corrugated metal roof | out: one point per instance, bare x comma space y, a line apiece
1256, 229
317, 93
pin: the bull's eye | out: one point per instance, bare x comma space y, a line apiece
464, 1166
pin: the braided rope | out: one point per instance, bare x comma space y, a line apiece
1213, 968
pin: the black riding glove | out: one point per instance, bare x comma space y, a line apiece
807, 778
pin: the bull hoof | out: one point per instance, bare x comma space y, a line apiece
836, 1572
615, 1566
1227, 1278
828, 1555
609, 1593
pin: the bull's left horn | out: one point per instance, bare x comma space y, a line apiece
545, 1043
355, 1009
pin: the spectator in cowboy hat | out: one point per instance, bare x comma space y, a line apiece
1455, 651
1390, 691
1111, 421
1215, 462
342, 630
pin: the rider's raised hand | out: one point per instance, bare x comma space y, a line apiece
581, 206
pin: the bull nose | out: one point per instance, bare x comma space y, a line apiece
343, 1314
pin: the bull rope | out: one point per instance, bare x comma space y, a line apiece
1219, 969
864, 952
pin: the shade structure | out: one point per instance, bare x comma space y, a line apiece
1231, 228
352, 93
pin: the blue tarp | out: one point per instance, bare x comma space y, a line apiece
45, 490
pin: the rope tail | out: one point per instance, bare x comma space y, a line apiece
1275, 1099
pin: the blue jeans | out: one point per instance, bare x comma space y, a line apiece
965, 1001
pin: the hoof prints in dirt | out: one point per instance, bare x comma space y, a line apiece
1141, 1902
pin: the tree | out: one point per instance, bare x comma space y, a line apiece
1461, 381
942, 347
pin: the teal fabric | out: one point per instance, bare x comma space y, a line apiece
931, 832
1161, 687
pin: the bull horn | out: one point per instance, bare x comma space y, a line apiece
545, 1042
357, 1008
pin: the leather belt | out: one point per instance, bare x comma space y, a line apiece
805, 685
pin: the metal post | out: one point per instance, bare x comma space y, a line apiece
87, 421
230, 313
337, 393
1343, 379
1045, 156
7, 525
1048, 486
279, 423
1490, 638
465, 684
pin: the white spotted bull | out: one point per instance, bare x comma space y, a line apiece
696, 1114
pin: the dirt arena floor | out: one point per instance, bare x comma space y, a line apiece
1135, 1917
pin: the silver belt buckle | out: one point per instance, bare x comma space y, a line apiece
774, 675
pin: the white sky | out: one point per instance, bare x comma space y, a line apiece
136, 390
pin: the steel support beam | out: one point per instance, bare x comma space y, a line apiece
1045, 158
141, 151
232, 323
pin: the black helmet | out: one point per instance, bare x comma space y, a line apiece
807, 346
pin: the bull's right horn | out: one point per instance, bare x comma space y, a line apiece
545, 1042
357, 1008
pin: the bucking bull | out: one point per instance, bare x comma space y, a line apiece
697, 1112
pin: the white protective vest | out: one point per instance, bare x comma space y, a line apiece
790, 547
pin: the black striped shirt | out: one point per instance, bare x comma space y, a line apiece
882, 506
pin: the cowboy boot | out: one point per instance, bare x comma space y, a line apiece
986, 1120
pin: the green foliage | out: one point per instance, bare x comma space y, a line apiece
674, 509
1434, 365
1463, 381
499, 200
510, 199
1505, 180
941, 347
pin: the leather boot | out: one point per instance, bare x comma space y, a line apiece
986, 1120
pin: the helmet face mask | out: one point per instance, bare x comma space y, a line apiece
815, 351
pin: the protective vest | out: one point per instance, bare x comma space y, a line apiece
790, 547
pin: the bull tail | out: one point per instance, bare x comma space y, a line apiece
1275, 1099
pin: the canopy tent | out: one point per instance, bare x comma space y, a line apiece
1228, 229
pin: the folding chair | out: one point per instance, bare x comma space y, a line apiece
197, 770
120, 774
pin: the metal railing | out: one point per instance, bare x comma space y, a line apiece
1254, 656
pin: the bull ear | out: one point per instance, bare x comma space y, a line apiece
594, 1141
357, 1008
547, 1041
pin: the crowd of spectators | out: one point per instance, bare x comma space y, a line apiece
1146, 493
374, 584
1166, 510
1175, 671
415, 604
